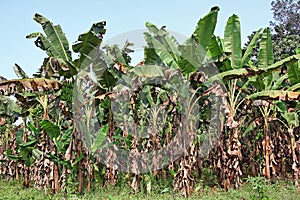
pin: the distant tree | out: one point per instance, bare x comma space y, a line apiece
285, 27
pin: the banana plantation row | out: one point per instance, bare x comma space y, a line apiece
254, 133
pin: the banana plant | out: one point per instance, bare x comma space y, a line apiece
24, 154
190, 59
23, 148
61, 66
229, 59
9, 113
263, 83
237, 72
54, 42
267, 87
43, 91
290, 119
28, 91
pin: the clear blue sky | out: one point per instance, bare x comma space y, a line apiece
76, 17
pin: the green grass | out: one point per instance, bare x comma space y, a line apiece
254, 189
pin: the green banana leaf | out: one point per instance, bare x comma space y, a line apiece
205, 27
266, 56
295, 87
281, 106
152, 28
232, 41
238, 73
55, 43
216, 52
192, 56
116, 55
148, 71
107, 80
164, 37
234, 73
265, 59
150, 57
162, 51
101, 136
88, 44
173, 48
166, 40
279, 82
28, 144
51, 129
215, 48
293, 72
194, 50
19, 71
279, 64
250, 47
291, 118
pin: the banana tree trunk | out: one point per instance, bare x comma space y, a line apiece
26, 168
295, 164
235, 158
266, 147
56, 178
111, 172
90, 174
183, 181
80, 177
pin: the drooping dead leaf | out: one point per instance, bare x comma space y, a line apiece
30, 85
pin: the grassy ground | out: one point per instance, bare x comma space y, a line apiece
254, 189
